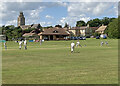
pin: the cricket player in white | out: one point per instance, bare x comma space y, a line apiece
102, 43
106, 43
72, 47
40, 41
5, 45
78, 44
20, 45
25, 44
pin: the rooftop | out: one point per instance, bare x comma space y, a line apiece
101, 28
54, 31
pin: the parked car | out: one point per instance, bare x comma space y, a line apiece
77, 38
97, 37
82, 38
104, 37
46, 38
91, 36
87, 36
67, 38
74, 38
71, 38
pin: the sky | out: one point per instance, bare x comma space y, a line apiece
53, 13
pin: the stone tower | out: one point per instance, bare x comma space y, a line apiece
21, 19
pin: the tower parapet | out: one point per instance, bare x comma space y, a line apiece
21, 19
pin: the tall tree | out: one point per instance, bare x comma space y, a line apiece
106, 20
112, 29
60, 26
48, 27
80, 23
95, 22
12, 32
66, 25
17, 32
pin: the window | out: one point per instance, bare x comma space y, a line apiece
55, 31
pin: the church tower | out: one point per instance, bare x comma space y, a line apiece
21, 19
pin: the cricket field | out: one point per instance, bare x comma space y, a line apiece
53, 63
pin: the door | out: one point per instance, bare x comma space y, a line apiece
51, 37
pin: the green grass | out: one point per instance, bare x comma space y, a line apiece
52, 63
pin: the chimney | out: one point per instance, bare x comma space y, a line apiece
88, 25
69, 27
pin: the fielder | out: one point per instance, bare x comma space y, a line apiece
72, 47
5, 46
102, 43
40, 41
25, 44
106, 43
78, 44
20, 45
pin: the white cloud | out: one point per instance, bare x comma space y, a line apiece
59, 0
72, 20
9, 11
13, 22
118, 9
42, 23
2, 6
35, 13
49, 23
101, 8
45, 23
88, 10
49, 17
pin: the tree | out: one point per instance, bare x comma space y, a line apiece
58, 26
28, 30
48, 27
112, 30
11, 32
111, 19
80, 23
17, 32
0, 30
95, 22
106, 20
66, 25
119, 26
96, 34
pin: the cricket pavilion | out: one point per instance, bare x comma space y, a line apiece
54, 34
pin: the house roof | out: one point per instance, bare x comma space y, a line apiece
82, 28
35, 25
29, 34
25, 26
101, 28
54, 31
30, 26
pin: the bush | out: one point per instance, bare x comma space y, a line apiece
96, 34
